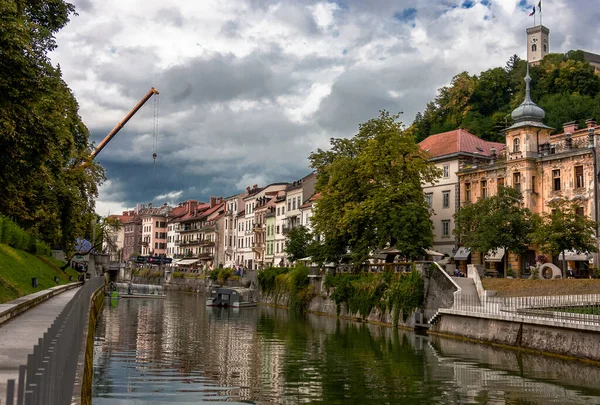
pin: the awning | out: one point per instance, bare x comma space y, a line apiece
433, 253
187, 262
573, 255
462, 253
495, 256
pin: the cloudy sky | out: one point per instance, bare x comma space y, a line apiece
248, 88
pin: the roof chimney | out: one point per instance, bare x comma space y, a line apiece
570, 126
213, 201
247, 189
568, 141
254, 186
493, 155
590, 123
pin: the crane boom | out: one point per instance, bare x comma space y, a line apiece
121, 124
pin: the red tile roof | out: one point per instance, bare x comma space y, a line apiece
459, 140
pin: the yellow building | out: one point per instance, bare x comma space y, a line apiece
543, 167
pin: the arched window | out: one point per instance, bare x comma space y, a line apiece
533, 47
545, 48
517, 145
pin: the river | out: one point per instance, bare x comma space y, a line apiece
177, 351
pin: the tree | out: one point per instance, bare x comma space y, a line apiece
42, 138
496, 222
565, 229
299, 239
371, 195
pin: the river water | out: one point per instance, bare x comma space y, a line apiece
177, 351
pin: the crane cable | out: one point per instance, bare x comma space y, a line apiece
153, 171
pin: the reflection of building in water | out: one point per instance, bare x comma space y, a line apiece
479, 370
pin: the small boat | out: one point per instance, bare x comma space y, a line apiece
235, 297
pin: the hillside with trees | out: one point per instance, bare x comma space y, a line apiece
564, 85
43, 142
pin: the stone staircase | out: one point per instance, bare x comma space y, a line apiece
467, 296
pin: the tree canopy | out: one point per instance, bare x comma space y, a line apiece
371, 195
496, 222
564, 85
42, 138
298, 243
565, 229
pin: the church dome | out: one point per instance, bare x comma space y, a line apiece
528, 110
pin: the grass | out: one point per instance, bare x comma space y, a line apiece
18, 267
531, 288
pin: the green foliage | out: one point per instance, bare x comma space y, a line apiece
178, 274
13, 235
371, 194
563, 84
42, 138
214, 274
563, 229
360, 293
405, 295
510, 272
17, 268
224, 274
298, 240
266, 278
496, 222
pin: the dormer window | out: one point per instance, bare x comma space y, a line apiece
517, 145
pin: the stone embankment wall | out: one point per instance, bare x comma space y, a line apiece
439, 293
576, 342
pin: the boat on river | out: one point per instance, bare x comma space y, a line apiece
235, 297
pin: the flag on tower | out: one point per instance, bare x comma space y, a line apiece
540, 6
532, 12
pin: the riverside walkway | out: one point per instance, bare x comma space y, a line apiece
18, 336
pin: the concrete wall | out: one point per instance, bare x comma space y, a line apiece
439, 291
577, 343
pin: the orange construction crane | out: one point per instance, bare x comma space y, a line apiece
121, 124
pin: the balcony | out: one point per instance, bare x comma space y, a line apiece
258, 246
205, 256
189, 242
258, 228
177, 242
207, 243
188, 229
145, 242
285, 229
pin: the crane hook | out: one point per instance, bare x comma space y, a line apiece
154, 156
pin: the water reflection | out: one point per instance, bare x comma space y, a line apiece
178, 351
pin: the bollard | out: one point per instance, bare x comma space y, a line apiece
34, 282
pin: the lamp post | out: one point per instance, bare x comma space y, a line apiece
592, 146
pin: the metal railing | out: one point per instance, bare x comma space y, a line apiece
49, 376
572, 309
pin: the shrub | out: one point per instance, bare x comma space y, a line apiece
510, 272
14, 236
224, 274
214, 274
178, 274
266, 278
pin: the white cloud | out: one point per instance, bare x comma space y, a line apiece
249, 88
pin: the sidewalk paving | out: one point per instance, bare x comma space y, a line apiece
19, 335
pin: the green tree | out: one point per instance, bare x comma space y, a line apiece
42, 138
496, 222
371, 194
564, 229
298, 241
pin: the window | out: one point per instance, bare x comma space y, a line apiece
545, 48
534, 48
500, 182
446, 171
579, 211
429, 199
517, 181
579, 176
278, 212
446, 227
157, 224
283, 210
517, 145
277, 248
446, 199
467, 192
293, 204
299, 202
484, 189
289, 205
533, 184
556, 179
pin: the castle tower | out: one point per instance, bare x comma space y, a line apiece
538, 44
